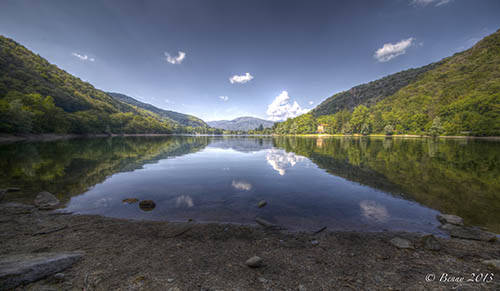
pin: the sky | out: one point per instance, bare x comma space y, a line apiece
221, 59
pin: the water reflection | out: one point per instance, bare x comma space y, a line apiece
281, 160
373, 210
184, 201
344, 183
241, 185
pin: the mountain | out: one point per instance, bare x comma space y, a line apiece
182, 119
241, 123
370, 93
459, 95
38, 97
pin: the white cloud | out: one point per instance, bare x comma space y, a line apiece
311, 102
281, 108
175, 60
241, 78
83, 57
392, 50
224, 98
427, 2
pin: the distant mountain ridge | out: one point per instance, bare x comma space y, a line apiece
182, 119
241, 123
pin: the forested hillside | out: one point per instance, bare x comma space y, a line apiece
459, 95
38, 97
182, 119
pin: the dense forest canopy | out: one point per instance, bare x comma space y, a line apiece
38, 97
459, 95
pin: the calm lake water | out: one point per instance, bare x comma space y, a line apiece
344, 183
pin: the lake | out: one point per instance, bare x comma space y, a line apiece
343, 183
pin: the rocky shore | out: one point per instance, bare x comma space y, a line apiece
97, 253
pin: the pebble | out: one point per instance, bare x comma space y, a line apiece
450, 218
314, 242
401, 243
170, 280
431, 243
262, 203
493, 263
254, 262
59, 276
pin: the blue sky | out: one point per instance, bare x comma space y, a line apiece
182, 55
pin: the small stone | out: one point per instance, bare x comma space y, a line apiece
314, 242
262, 280
302, 288
45, 201
130, 200
401, 243
264, 222
262, 203
170, 280
431, 243
451, 219
254, 262
147, 205
493, 263
59, 277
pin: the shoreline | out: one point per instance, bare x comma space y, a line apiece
159, 255
10, 138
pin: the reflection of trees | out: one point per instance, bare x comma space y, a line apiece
447, 175
70, 167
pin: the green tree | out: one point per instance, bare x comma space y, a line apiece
436, 128
359, 117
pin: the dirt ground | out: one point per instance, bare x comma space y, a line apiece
143, 255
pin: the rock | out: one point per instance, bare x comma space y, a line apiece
262, 203
59, 277
302, 288
130, 200
170, 280
472, 233
430, 243
263, 222
45, 200
314, 242
493, 263
401, 243
262, 280
147, 205
451, 219
254, 262
26, 268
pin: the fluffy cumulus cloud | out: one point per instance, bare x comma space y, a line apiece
427, 2
391, 50
241, 79
83, 57
175, 60
281, 108
224, 98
